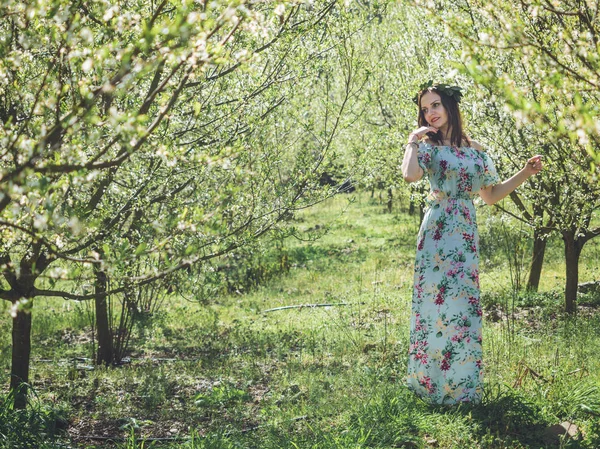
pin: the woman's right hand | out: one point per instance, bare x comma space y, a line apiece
418, 134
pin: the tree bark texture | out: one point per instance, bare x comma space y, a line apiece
104, 355
572, 252
21, 350
537, 261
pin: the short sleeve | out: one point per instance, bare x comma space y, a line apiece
490, 176
424, 156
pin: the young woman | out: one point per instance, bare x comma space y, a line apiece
445, 355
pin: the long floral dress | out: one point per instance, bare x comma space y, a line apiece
445, 355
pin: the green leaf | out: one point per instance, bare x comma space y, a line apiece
141, 248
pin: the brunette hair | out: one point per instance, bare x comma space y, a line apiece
457, 136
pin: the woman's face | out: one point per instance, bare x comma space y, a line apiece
433, 110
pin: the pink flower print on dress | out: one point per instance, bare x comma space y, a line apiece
439, 299
445, 366
422, 357
464, 181
470, 241
475, 277
443, 168
457, 338
458, 152
426, 382
466, 213
452, 272
418, 325
426, 159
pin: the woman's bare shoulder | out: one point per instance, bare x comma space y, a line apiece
476, 145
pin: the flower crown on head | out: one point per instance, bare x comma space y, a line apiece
451, 91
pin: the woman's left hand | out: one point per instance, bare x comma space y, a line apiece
534, 165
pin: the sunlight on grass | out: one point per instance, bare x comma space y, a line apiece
236, 374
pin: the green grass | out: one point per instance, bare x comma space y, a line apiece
231, 375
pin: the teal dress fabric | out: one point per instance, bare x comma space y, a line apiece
445, 355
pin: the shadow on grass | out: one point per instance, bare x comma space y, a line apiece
506, 419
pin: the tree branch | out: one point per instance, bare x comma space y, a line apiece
238, 64
49, 246
66, 168
590, 235
5, 201
519, 203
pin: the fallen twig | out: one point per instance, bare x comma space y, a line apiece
308, 306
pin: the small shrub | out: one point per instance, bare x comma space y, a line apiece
550, 299
221, 395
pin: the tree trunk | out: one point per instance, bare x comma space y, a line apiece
104, 356
21, 350
411, 208
537, 261
572, 252
390, 200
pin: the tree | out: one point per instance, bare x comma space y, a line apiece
135, 133
497, 129
532, 56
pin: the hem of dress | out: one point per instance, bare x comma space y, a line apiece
429, 401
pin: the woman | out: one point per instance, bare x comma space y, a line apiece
445, 356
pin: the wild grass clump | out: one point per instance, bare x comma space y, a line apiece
36, 427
